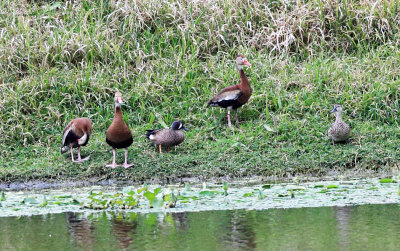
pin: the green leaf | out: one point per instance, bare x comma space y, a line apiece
3, 196
260, 195
142, 189
44, 203
158, 203
248, 194
187, 187
157, 190
318, 186
149, 196
29, 201
62, 196
208, 193
268, 128
225, 186
266, 186
387, 181
332, 186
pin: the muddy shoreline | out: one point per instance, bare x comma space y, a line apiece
73, 183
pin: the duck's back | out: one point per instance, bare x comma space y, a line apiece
75, 129
167, 137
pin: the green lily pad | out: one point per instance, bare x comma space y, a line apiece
248, 195
29, 201
208, 193
387, 181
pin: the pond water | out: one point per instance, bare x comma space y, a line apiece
363, 227
361, 214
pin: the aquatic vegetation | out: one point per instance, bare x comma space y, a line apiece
201, 197
387, 181
332, 186
2, 196
113, 201
225, 186
151, 196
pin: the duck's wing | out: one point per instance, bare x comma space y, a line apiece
226, 96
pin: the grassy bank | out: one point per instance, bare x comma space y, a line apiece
59, 61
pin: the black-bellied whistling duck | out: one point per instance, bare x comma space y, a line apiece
233, 97
167, 137
118, 134
75, 135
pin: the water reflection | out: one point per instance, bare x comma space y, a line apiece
338, 228
81, 230
343, 216
124, 228
181, 220
241, 235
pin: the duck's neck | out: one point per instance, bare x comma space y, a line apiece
118, 113
244, 82
338, 117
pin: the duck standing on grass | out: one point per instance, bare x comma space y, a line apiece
167, 137
233, 97
75, 135
119, 135
339, 130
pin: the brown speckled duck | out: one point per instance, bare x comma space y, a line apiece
339, 130
233, 97
118, 134
167, 137
75, 135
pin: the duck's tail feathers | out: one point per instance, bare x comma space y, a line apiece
149, 133
64, 149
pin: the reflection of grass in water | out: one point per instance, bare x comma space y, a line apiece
63, 62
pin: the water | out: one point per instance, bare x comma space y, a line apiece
363, 227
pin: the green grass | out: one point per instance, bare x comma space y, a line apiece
60, 61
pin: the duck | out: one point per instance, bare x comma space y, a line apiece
339, 131
233, 97
167, 137
75, 135
119, 135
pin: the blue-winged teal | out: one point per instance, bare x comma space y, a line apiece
118, 134
167, 137
233, 97
339, 131
75, 135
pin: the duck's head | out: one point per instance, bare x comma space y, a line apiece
177, 125
337, 109
241, 61
118, 99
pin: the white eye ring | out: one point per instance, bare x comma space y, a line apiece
180, 126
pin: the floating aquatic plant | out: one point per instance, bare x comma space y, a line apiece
225, 186
387, 181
